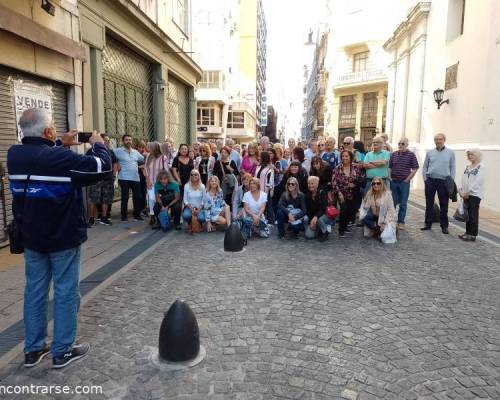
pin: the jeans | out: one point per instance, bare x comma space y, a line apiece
63, 268
472, 224
400, 193
187, 215
371, 221
282, 218
248, 227
431, 187
321, 226
137, 201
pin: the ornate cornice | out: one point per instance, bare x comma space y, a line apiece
421, 10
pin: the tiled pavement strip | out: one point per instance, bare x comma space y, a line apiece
350, 318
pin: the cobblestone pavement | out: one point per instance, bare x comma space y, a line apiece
350, 318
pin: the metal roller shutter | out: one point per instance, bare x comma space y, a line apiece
8, 134
128, 94
177, 111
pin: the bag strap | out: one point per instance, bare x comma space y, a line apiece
223, 171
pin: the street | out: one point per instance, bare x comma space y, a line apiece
349, 318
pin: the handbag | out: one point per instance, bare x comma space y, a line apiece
228, 181
332, 212
164, 220
462, 212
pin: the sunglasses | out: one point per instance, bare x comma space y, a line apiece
290, 184
347, 143
401, 144
376, 183
195, 175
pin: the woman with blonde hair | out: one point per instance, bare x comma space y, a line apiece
238, 211
471, 191
205, 162
254, 203
377, 211
193, 200
155, 162
217, 212
250, 162
291, 208
167, 149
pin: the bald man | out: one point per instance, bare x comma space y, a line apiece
439, 165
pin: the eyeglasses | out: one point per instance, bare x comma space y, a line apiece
376, 183
290, 184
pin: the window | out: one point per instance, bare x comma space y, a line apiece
347, 112
180, 14
369, 111
360, 61
205, 116
211, 80
456, 18
235, 119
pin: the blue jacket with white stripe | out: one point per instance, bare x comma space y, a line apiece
52, 215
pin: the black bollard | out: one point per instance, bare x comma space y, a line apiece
435, 213
179, 334
233, 239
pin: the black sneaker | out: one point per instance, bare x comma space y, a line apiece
105, 221
124, 219
77, 351
322, 237
34, 358
342, 235
139, 218
178, 227
91, 222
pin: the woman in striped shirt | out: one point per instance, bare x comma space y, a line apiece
155, 162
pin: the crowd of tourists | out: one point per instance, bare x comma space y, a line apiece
299, 188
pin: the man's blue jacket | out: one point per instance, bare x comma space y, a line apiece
52, 214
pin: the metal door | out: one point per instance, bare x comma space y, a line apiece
128, 93
177, 111
8, 132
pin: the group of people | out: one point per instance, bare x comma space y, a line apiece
299, 188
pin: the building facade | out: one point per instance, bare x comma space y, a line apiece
41, 61
252, 60
451, 45
140, 77
215, 47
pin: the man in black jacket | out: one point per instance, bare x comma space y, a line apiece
46, 181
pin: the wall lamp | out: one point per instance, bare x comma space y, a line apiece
438, 97
48, 7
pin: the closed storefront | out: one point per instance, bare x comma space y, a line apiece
128, 94
28, 90
177, 127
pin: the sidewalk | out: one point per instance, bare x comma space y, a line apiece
107, 246
489, 220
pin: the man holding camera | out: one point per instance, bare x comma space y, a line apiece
46, 180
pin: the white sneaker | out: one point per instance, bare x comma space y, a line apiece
329, 228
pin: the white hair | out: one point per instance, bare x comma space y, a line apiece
34, 121
477, 153
229, 142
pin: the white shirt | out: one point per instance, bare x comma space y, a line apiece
473, 180
252, 204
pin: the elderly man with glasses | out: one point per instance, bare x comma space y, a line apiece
376, 162
403, 166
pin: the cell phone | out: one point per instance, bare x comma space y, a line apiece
83, 137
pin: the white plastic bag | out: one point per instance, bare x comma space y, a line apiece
388, 236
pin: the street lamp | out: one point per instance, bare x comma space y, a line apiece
438, 97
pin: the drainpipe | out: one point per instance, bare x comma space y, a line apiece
422, 81
405, 103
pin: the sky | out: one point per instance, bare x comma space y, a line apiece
288, 22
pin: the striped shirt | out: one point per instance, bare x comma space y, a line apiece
401, 164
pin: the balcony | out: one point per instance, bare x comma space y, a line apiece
360, 78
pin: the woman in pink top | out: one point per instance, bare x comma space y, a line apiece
155, 162
250, 161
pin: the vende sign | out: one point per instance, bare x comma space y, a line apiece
29, 95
